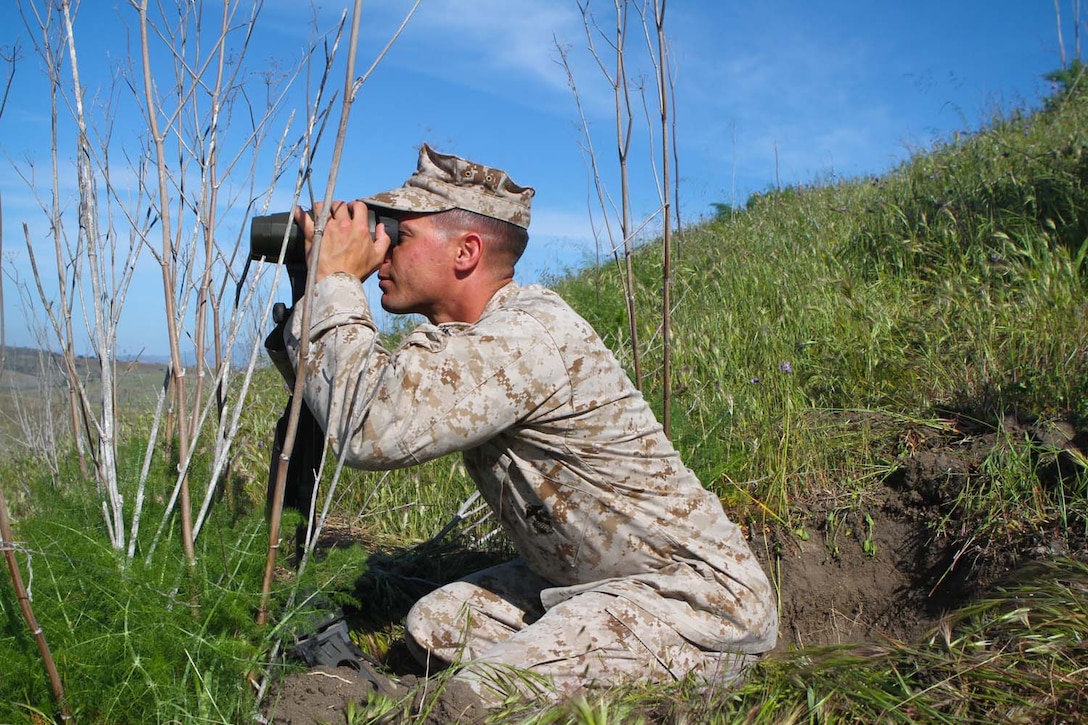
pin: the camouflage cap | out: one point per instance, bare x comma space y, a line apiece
444, 182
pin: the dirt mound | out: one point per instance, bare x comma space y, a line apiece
835, 588
322, 695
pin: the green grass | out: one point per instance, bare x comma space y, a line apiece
815, 330
127, 640
955, 283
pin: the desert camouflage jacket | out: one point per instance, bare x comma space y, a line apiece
560, 443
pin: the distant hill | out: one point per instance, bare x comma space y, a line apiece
17, 363
32, 379
33, 362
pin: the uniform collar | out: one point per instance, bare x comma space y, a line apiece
500, 297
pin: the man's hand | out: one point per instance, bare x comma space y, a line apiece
346, 244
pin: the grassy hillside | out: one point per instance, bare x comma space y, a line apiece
951, 287
885, 379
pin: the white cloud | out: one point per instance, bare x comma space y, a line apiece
505, 37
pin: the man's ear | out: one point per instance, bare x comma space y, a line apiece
470, 250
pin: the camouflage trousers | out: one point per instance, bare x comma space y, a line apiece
493, 626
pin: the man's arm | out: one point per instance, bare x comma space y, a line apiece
445, 389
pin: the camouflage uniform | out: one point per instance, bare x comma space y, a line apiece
629, 568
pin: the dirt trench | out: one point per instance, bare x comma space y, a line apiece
892, 565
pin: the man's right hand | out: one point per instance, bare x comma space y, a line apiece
346, 243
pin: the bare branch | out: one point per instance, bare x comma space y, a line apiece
9, 57
384, 51
3, 338
169, 273
7, 544
296, 397
1061, 39
88, 213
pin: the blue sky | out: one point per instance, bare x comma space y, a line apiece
777, 91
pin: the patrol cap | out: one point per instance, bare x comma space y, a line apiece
443, 182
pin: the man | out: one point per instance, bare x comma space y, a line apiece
629, 569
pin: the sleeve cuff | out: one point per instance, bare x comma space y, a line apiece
339, 299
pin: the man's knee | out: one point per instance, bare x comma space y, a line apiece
435, 626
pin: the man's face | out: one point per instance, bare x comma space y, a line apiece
416, 274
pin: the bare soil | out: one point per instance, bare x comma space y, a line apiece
887, 567
891, 566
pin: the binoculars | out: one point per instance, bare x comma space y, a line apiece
266, 236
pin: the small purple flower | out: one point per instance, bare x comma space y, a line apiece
785, 367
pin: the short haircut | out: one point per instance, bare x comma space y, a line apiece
508, 239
